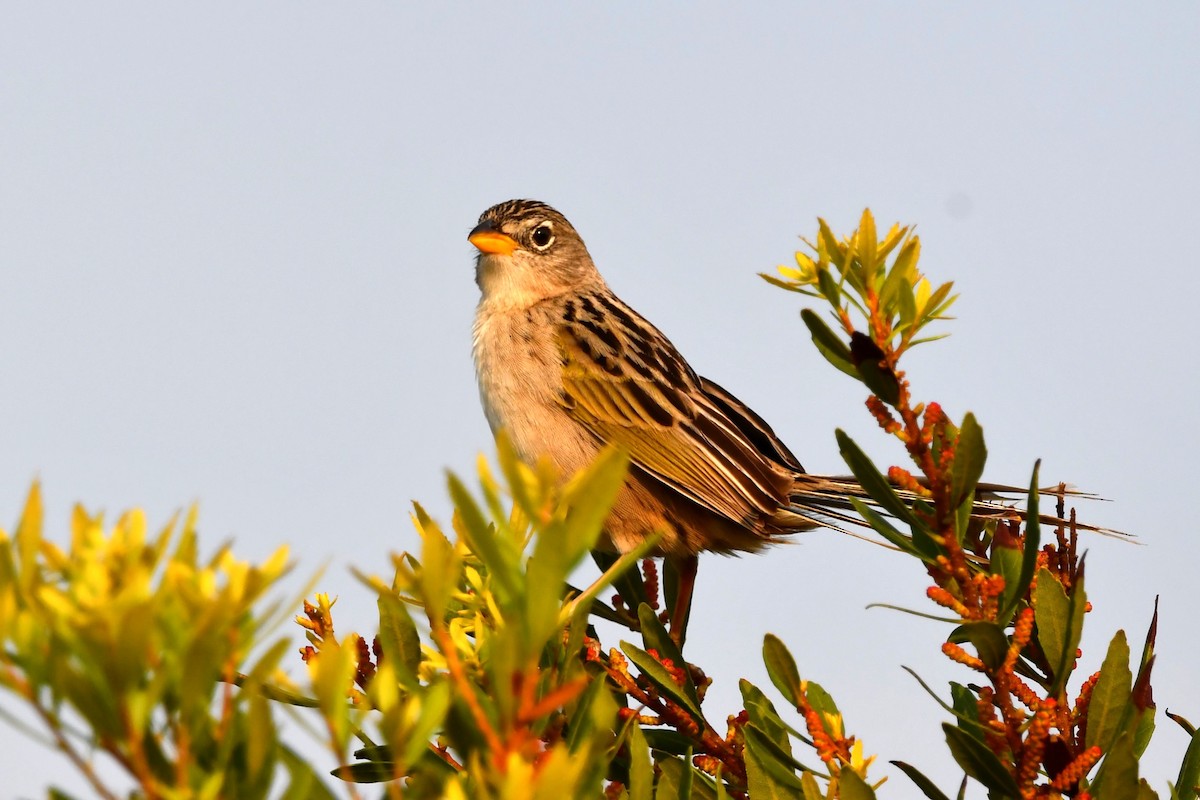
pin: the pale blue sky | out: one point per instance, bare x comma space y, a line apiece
234, 269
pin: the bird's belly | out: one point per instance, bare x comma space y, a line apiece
519, 371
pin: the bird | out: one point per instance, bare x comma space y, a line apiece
566, 368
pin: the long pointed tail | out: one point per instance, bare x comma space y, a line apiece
824, 500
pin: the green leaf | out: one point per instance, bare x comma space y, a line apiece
812, 791
781, 757
494, 551
866, 244
970, 454
828, 287
1029, 554
763, 716
592, 717
680, 779
364, 772
926, 786
988, 639
431, 714
1059, 618
781, 667
880, 525
835, 350
303, 782
667, 741
1110, 696
399, 638
979, 762
853, 787
628, 582
896, 283
440, 568
822, 702
1006, 560
1187, 786
28, 538
655, 637
590, 497
873, 369
872, 480
766, 778
1117, 778
641, 772
657, 674
966, 709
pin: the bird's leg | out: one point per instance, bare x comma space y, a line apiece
679, 581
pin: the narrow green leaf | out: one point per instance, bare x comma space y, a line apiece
880, 525
655, 637
780, 753
680, 779
590, 497
1029, 553
431, 714
641, 772
970, 455
667, 741
880, 380
828, 287
627, 582
364, 772
1005, 560
835, 350
812, 791
1059, 618
872, 480
822, 702
1117, 778
399, 638
1187, 786
979, 762
303, 781
926, 786
594, 711
1143, 729
494, 551
781, 667
766, 778
618, 572
763, 715
866, 244
853, 787
28, 538
895, 284
966, 709
440, 570
1110, 696
657, 674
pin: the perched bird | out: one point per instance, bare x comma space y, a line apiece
566, 368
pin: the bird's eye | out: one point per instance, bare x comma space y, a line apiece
543, 236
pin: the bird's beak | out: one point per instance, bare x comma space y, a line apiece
491, 241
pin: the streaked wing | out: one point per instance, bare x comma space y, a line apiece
625, 382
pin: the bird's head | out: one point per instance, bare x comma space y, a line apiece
529, 252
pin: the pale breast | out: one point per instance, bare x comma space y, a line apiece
519, 370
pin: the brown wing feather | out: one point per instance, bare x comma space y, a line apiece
627, 385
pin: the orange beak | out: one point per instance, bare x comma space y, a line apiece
491, 241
